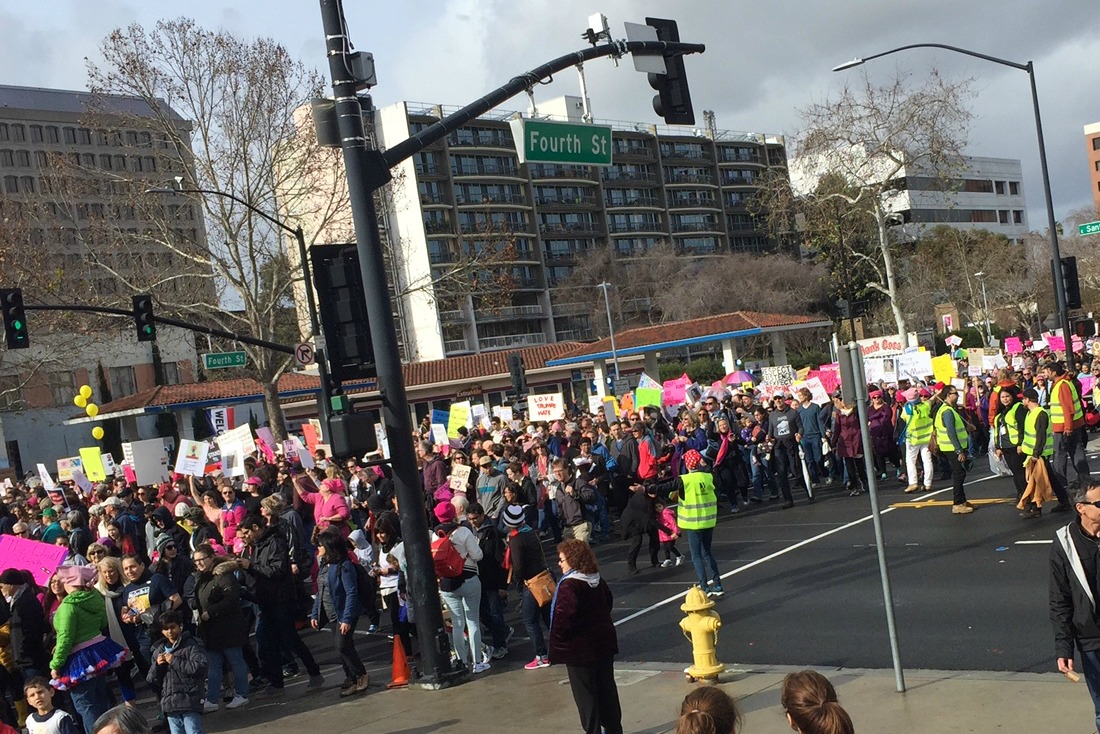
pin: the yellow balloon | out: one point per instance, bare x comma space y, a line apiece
92, 410
97, 433
85, 391
80, 401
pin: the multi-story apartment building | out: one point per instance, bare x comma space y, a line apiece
72, 169
687, 187
1092, 151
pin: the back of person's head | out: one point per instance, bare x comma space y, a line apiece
811, 704
121, 720
708, 710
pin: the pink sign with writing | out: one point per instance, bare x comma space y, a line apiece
41, 559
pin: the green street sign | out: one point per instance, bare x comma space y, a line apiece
539, 141
1090, 228
221, 360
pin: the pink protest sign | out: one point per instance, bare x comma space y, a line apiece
1056, 343
674, 391
1013, 345
41, 559
829, 376
129, 473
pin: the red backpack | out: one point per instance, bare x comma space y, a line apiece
448, 562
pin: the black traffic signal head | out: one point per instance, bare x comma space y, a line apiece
15, 320
518, 373
343, 309
144, 321
672, 101
1071, 282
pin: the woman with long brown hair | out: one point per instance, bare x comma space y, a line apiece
811, 705
708, 710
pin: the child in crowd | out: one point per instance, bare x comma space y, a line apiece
179, 673
45, 719
667, 533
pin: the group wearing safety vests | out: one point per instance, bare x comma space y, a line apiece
918, 432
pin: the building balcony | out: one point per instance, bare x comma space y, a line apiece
632, 152
575, 335
456, 346
511, 199
752, 160
494, 141
571, 309
572, 229
438, 228
697, 157
433, 200
629, 177
526, 284
487, 171
501, 229
674, 203
576, 173
442, 258
453, 317
624, 227
644, 202
510, 312
687, 227
511, 340
568, 202
674, 179
430, 172
738, 181
565, 256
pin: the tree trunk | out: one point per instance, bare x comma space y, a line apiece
274, 409
891, 279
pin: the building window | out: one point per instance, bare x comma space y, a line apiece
1017, 216
1002, 216
18, 134
999, 187
122, 382
171, 373
3, 131
1014, 188
53, 134
36, 134
62, 387
1095, 143
11, 184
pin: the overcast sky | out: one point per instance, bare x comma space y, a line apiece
764, 60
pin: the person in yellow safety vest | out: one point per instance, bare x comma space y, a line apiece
918, 432
1008, 434
953, 441
696, 514
1038, 444
1067, 421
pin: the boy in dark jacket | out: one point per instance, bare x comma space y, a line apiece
179, 673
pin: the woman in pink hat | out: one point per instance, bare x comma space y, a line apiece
330, 509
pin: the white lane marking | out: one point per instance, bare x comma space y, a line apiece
1034, 542
784, 552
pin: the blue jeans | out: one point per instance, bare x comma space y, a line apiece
216, 671
534, 617
464, 604
701, 558
187, 722
492, 617
1090, 662
811, 447
90, 700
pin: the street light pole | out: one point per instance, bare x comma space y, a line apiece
980, 275
610, 326
324, 402
1052, 224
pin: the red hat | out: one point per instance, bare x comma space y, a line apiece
692, 459
924, 392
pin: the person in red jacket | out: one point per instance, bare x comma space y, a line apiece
648, 457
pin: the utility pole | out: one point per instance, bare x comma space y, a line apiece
366, 171
610, 326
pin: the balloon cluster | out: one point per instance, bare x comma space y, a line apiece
81, 401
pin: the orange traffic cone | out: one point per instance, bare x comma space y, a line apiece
401, 670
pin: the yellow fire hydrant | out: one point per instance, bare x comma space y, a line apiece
700, 626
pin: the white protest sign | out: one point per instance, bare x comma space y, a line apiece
547, 407
994, 362
460, 477
191, 459
915, 365
439, 435
873, 371
82, 482
44, 475
478, 415
303, 456
595, 404
383, 442
505, 414
108, 464
235, 444
150, 462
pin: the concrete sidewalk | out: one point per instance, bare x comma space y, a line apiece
506, 701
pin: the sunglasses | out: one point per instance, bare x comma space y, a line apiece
1091, 504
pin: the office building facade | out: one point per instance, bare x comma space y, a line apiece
1092, 152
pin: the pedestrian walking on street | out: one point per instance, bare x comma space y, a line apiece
582, 636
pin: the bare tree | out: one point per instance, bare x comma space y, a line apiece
869, 137
236, 133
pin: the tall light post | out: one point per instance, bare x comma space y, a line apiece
610, 326
1052, 225
980, 275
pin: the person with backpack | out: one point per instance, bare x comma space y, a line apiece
494, 584
337, 603
455, 552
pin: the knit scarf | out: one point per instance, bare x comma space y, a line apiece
508, 548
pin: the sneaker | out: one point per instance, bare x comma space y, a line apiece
912, 488
480, 667
290, 672
855, 492
258, 682
666, 563
362, 683
538, 662
315, 682
209, 707
928, 488
237, 702
963, 509
679, 560
715, 591
372, 629
500, 653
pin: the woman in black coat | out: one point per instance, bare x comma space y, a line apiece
582, 636
222, 626
640, 518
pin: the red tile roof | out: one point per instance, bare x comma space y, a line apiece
454, 369
645, 336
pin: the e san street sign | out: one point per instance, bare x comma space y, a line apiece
539, 141
222, 360
1089, 228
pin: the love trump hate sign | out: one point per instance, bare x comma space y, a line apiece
541, 141
547, 407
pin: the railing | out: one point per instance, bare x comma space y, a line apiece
571, 309
738, 181
526, 283
510, 312
693, 155
511, 340
429, 199
628, 176
456, 345
576, 172
480, 227
730, 158
617, 227
575, 228
565, 256
490, 199
489, 141
438, 227
567, 201
635, 201
638, 151
678, 178
453, 317
485, 170
696, 227
693, 203
442, 258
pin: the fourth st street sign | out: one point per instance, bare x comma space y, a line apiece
539, 141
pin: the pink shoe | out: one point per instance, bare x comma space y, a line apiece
538, 662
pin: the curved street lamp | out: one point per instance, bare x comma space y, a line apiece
1052, 225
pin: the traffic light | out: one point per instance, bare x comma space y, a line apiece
672, 101
1071, 282
352, 434
15, 320
342, 306
519, 374
144, 320
1083, 328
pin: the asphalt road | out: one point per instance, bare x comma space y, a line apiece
969, 591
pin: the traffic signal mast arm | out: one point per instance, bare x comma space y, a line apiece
518, 84
212, 331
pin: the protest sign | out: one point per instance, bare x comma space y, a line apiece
65, 468
128, 472
648, 382
191, 459
993, 362
150, 461
41, 559
779, 376
91, 461
460, 477
595, 404
440, 416
309, 433
47, 480
290, 450
674, 391
610, 409
304, 456
439, 435
82, 483
545, 407
383, 440
943, 368
108, 464
818, 394
1056, 343
478, 416
647, 397
1013, 345
458, 417
506, 414
914, 365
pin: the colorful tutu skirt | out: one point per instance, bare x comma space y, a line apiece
93, 658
